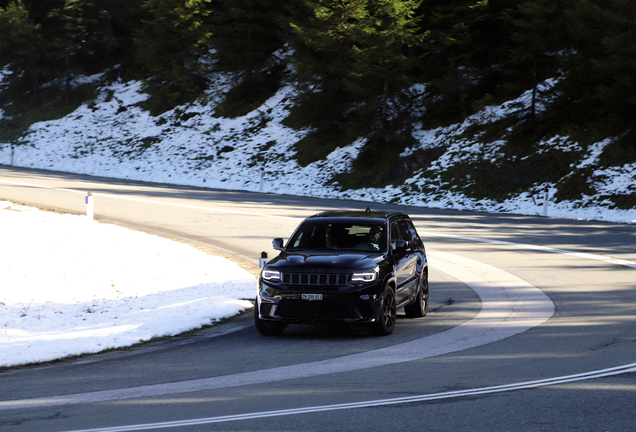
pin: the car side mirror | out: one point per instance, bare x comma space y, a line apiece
402, 246
277, 244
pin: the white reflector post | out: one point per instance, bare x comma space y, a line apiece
89, 206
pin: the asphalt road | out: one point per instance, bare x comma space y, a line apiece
575, 370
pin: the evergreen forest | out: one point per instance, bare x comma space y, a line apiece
361, 68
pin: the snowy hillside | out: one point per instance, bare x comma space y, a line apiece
113, 137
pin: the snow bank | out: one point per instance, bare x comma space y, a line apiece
72, 286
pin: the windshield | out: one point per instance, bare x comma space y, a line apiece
339, 236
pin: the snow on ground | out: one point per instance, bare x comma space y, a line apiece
72, 286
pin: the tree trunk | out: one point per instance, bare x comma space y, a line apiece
68, 78
534, 91
385, 101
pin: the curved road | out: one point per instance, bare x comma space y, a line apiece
532, 327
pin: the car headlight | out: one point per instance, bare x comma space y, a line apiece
271, 275
364, 277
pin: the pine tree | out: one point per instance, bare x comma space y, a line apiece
467, 46
21, 44
539, 38
387, 61
109, 34
39, 11
452, 27
601, 68
70, 40
357, 49
323, 37
246, 33
326, 40
171, 44
85, 36
452, 66
356, 57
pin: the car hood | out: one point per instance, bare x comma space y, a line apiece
332, 260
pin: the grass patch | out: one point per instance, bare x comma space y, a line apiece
621, 151
147, 142
622, 201
250, 93
505, 176
135, 147
50, 103
164, 97
575, 185
378, 163
318, 144
491, 131
333, 122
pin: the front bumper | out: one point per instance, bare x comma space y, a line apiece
357, 306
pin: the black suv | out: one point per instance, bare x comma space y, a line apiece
344, 267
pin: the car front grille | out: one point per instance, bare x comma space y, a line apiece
315, 279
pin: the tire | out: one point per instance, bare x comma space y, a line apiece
386, 322
419, 308
265, 327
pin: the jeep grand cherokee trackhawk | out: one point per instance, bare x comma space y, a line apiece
344, 267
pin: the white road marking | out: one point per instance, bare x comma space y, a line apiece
374, 403
41, 186
537, 248
509, 306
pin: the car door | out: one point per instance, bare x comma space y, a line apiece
405, 262
407, 232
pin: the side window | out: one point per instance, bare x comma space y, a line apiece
409, 232
302, 237
298, 240
405, 231
416, 237
395, 234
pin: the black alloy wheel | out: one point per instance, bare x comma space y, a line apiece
265, 327
386, 323
419, 308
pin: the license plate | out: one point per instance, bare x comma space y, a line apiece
312, 297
